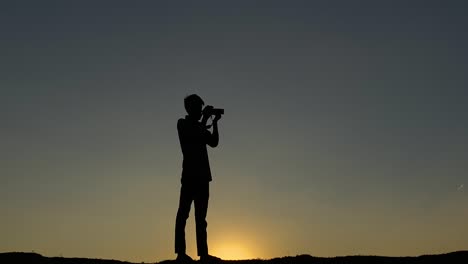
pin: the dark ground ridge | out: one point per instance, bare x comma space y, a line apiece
458, 257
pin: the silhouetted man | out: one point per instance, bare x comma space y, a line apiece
196, 174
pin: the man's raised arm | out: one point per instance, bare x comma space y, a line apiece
213, 138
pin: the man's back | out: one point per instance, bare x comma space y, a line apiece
193, 137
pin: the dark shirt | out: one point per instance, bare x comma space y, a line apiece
193, 137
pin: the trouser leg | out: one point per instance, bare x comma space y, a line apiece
185, 202
201, 208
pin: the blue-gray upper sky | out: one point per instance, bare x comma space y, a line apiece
345, 129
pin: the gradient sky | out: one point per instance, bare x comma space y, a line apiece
345, 130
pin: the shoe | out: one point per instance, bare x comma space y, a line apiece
209, 259
184, 259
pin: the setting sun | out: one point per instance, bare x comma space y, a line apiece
232, 251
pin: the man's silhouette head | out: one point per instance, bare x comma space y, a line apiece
193, 105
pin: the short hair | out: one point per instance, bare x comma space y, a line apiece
191, 101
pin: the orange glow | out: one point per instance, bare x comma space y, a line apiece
233, 251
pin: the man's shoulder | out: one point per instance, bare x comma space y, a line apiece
181, 122
184, 123
188, 124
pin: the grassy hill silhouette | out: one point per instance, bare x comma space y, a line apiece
458, 257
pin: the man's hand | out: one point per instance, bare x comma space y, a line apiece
217, 117
207, 110
207, 114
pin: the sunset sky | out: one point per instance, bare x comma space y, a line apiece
345, 129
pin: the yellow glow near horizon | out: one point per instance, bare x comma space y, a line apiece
233, 251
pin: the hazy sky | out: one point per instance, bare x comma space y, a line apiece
345, 130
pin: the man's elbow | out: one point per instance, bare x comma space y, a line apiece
213, 144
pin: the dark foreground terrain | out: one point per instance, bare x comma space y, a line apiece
459, 257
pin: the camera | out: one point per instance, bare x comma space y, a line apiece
209, 111
216, 111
